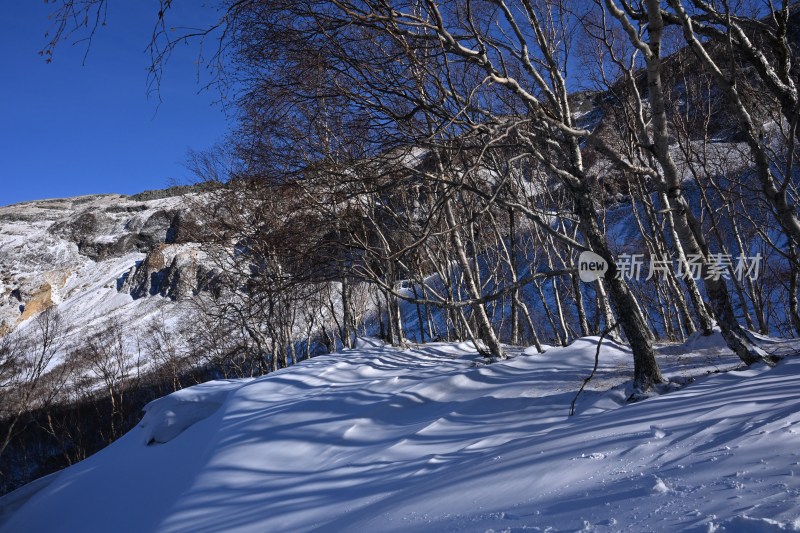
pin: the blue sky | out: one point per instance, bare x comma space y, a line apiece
70, 128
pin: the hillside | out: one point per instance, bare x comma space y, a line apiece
88, 257
124, 273
87, 285
430, 439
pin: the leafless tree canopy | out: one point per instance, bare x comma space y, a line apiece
422, 133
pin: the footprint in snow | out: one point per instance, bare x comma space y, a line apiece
592, 456
660, 486
658, 432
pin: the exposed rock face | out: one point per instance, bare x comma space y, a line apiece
144, 279
156, 228
82, 226
100, 236
82, 252
184, 228
38, 302
181, 279
169, 271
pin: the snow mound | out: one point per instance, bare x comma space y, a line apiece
698, 341
660, 486
532, 350
364, 343
168, 417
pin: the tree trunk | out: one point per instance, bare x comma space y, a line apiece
576, 288
347, 315
420, 323
485, 330
687, 227
794, 274
512, 237
645, 368
549, 315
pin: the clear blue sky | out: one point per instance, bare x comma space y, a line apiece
68, 128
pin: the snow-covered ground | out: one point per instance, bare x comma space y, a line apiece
430, 439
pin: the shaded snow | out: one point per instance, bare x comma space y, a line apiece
430, 439
167, 417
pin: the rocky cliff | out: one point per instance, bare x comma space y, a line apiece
98, 256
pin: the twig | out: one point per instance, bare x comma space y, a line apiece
596, 361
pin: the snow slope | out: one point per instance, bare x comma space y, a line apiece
429, 439
75, 254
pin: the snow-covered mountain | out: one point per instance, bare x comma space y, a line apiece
429, 439
96, 257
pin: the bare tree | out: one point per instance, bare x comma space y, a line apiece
25, 358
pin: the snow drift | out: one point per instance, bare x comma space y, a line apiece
429, 439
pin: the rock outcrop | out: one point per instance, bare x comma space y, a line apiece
144, 245
168, 270
100, 236
38, 302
